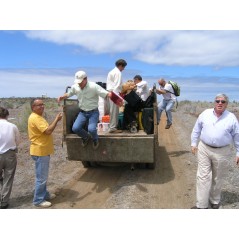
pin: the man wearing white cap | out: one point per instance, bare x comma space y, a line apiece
88, 96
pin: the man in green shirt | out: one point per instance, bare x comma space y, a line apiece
88, 96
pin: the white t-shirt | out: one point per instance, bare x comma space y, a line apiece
142, 90
9, 136
114, 80
168, 96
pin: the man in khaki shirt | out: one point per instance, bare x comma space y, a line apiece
40, 135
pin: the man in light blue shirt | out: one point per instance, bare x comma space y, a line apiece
88, 96
216, 129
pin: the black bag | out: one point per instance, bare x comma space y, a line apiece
134, 100
150, 100
148, 120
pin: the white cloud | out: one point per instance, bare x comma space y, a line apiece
53, 82
184, 48
32, 83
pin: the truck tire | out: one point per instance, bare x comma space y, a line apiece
151, 165
94, 164
86, 164
142, 165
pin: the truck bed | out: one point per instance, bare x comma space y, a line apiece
124, 147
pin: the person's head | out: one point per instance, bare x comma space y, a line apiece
37, 106
128, 86
137, 79
220, 103
3, 113
162, 82
80, 79
121, 64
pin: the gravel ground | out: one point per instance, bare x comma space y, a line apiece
230, 191
63, 171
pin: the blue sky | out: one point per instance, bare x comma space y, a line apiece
204, 63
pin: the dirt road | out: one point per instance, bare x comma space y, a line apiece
170, 185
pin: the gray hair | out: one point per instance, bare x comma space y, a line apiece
221, 95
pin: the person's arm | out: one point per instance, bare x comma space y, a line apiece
160, 91
196, 132
118, 81
235, 135
63, 97
52, 126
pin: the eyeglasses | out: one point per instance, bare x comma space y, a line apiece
40, 105
222, 101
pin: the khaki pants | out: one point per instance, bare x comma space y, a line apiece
8, 163
114, 114
212, 168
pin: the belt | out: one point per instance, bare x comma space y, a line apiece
84, 111
215, 147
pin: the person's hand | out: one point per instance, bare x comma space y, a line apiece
194, 150
109, 94
121, 104
59, 99
59, 116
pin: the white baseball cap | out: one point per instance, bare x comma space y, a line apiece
79, 77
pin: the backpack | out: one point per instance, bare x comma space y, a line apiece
176, 88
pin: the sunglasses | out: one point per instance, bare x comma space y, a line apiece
222, 101
39, 105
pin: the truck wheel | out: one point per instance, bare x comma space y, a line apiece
142, 165
86, 164
94, 164
151, 165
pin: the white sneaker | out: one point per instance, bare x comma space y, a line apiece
44, 204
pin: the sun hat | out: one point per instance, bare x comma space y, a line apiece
79, 77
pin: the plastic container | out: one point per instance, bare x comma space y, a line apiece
105, 126
105, 119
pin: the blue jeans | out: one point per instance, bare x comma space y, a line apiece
41, 170
92, 117
166, 105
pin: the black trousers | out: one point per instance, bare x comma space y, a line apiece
130, 114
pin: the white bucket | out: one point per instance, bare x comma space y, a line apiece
100, 127
105, 127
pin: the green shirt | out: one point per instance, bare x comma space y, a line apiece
88, 97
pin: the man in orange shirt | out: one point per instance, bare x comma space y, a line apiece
40, 135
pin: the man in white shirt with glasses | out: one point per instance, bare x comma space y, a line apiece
216, 129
